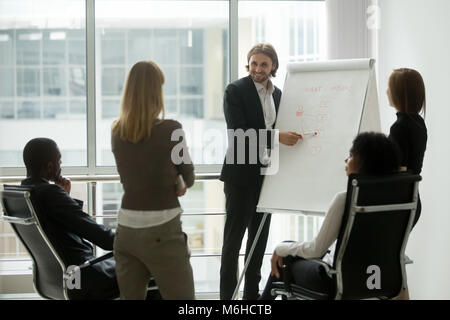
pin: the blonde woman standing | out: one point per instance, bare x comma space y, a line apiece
149, 239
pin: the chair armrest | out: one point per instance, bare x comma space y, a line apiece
96, 260
330, 271
288, 264
286, 275
69, 274
14, 220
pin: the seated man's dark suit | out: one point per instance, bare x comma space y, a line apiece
68, 228
243, 110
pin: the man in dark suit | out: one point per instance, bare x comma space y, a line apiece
250, 107
67, 226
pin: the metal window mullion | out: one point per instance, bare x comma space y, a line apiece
66, 69
178, 70
67, 72
305, 229
316, 32
15, 96
233, 39
41, 76
90, 101
92, 204
305, 34
90, 86
315, 226
296, 42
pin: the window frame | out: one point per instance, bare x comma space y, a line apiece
92, 169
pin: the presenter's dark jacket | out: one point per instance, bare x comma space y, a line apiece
243, 110
66, 225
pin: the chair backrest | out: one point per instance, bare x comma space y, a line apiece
370, 250
48, 268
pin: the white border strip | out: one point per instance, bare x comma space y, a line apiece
330, 65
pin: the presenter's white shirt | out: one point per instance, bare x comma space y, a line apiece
269, 112
325, 239
268, 105
146, 218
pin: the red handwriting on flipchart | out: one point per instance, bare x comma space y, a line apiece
340, 88
314, 89
299, 112
332, 88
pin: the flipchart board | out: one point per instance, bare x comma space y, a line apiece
329, 103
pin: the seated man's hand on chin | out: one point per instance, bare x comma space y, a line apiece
64, 183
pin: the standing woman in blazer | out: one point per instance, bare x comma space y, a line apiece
406, 93
149, 238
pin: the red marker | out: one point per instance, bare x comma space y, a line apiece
311, 133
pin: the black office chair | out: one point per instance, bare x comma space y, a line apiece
379, 213
50, 272
52, 277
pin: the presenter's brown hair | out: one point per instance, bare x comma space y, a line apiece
266, 49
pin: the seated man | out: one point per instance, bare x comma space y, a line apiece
66, 224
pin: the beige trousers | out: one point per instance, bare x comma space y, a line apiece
159, 251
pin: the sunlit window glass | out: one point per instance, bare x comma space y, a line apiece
295, 28
43, 77
189, 41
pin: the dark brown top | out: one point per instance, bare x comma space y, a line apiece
147, 171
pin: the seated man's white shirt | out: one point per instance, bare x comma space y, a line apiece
326, 237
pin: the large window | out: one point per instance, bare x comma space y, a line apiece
46, 89
295, 28
188, 40
43, 78
62, 76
